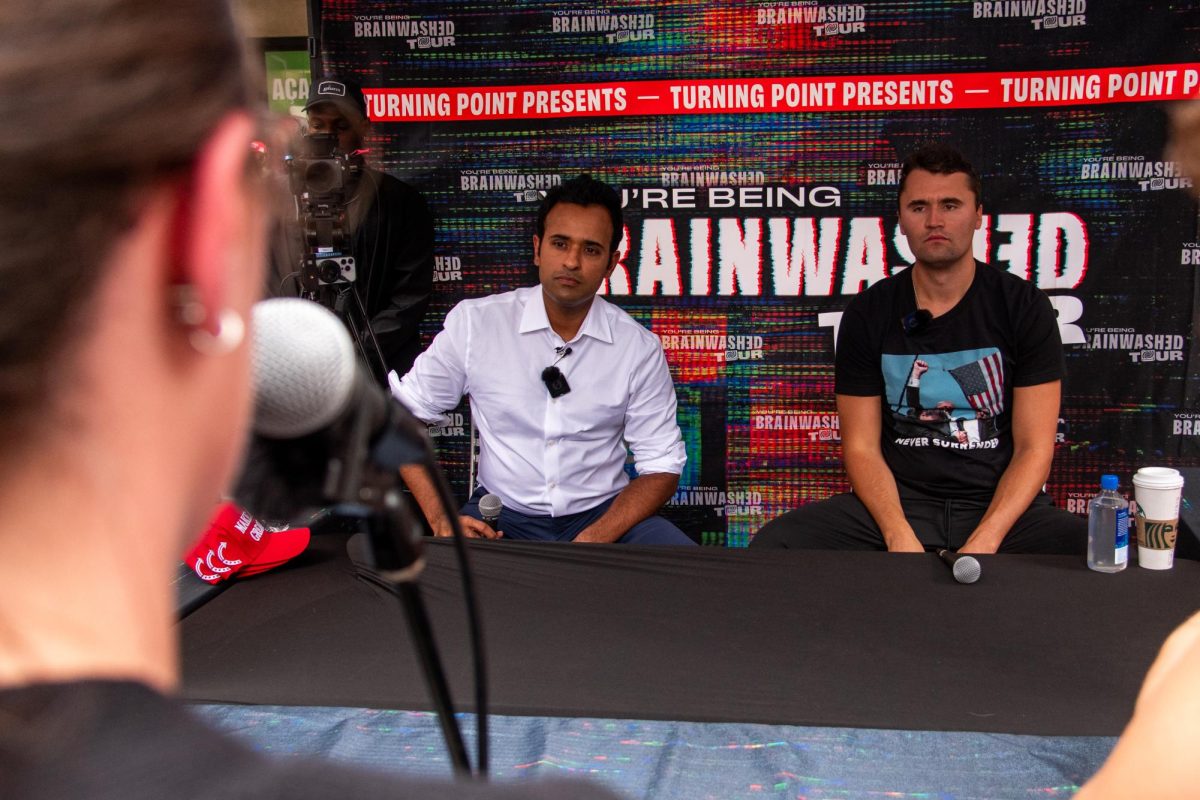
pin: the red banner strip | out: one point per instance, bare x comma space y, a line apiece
1142, 84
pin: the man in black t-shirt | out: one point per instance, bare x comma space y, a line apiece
948, 380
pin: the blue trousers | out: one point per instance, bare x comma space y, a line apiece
518, 526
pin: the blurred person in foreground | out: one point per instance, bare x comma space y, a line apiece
1155, 757
134, 249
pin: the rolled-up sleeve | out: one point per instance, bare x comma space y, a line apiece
438, 378
651, 429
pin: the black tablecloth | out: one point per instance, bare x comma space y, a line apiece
1040, 645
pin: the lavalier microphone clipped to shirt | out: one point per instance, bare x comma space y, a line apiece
556, 382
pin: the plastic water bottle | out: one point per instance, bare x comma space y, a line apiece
1108, 528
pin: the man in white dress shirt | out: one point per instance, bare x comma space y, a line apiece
560, 382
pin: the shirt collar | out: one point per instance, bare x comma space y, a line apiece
596, 324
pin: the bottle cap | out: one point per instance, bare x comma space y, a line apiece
1109, 482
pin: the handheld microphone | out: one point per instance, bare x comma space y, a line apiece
490, 507
966, 568
324, 432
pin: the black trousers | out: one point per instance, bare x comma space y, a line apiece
843, 523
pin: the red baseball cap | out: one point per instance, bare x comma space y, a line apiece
235, 543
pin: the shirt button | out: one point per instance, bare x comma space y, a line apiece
552, 484
551, 443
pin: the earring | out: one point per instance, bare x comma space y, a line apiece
191, 313
231, 330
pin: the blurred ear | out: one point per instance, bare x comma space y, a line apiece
612, 263
211, 216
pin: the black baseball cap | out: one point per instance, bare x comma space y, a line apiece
348, 97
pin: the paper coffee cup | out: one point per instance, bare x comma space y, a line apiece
1157, 491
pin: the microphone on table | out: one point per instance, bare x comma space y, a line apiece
324, 432
490, 507
966, 568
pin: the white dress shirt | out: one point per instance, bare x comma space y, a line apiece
550, 456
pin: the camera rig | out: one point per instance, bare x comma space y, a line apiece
323, 180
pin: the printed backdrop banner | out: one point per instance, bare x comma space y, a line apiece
757, 148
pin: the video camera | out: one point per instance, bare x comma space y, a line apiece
321, 178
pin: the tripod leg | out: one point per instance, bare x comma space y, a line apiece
350, 308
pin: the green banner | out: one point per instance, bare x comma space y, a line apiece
287, 80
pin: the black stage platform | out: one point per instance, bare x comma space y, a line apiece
1040, 645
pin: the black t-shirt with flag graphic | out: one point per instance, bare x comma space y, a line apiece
946, 383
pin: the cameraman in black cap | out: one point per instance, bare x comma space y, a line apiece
390, 227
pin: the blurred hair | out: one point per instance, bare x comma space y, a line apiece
98, 99
584, 190
941, 159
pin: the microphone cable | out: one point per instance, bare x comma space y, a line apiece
474, 626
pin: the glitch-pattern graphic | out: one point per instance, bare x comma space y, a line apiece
757, 150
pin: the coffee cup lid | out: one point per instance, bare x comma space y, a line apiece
1158, 478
